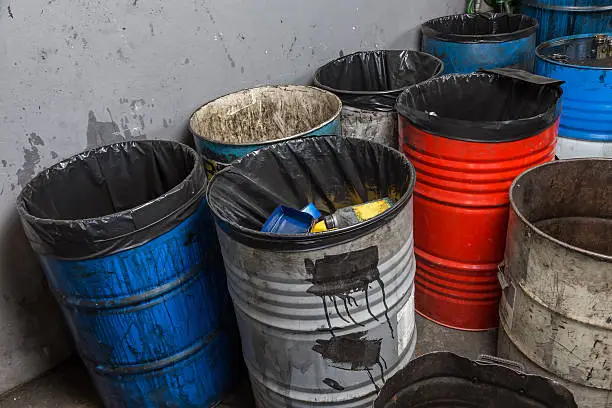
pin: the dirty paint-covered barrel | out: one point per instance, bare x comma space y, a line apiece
324, 318
470, 42
556, 309
468, 137
239, 123
445, 380
560, 18
368, 83
129, 248
585, 129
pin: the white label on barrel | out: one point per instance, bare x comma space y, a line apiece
405, 325
506, 309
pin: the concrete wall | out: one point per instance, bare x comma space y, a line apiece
78, 73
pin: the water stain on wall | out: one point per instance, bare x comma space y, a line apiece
31, 159
101, 133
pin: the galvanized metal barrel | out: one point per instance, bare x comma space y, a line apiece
469, 136
560, 18
129, 249
326, 318
556, 309
239, 123
585, 129
445, 380
469, 42
369, 82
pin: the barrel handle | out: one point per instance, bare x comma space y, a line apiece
579, 9
501, 277
492, 360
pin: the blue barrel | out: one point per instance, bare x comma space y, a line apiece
585, 129
561, 18
128, 246
469, 42
233, 125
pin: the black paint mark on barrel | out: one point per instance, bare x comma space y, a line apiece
333, 384
353, 352
337, 276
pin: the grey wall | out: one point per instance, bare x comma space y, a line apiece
77, 73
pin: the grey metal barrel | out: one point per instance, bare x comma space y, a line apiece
369, 82
556, 309
324, 318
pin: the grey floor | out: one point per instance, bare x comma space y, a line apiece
69, 386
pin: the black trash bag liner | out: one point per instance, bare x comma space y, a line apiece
501, 105
445, 380
111, 198
372, 80
332, 172
481, 27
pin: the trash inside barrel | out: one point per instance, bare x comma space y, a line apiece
239, 123
469, 42
338, 304
584, 62
445, 380
469, 136
369, 82
129, 248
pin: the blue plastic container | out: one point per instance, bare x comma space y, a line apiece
231, 126
585, 129
561, 18
129, 249
469, 42
287, 220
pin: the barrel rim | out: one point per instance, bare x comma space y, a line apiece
560, 41
452, 129
572, 9
118, 239
265, 240
266, 142
430, 32
336, 91
492, 371
515, 210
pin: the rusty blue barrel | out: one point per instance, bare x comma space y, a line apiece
469, 42
128, 246
585, 129
231, 126
560, 18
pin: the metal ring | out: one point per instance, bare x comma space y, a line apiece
579, 9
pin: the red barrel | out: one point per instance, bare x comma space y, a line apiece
469, 136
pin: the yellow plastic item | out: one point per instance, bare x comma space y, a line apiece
319, 227
372, 209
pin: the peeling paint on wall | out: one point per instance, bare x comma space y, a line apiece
31, 159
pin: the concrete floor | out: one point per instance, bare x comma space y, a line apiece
69, 386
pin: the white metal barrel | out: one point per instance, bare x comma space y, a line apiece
325, 319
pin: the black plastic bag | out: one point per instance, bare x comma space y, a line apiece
332, 172
481, 27
111, 198
441, 379
497, 106
372, 80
